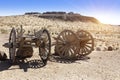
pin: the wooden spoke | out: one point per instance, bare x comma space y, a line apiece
12, 48
89, 46
86, 42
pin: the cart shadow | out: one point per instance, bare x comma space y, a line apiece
34, 64
57, 59
5, 65
25, 65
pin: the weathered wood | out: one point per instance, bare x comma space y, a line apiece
24, 44
86, 42
70, 45
66, 44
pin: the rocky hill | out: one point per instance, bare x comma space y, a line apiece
71, 16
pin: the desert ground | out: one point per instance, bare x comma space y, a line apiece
99, 65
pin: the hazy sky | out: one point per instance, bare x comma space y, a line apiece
107, 11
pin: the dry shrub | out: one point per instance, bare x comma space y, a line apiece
3, 31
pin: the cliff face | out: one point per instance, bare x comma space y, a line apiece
64, 16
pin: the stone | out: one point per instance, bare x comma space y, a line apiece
110, 48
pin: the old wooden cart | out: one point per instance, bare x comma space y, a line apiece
70, 45
21, 45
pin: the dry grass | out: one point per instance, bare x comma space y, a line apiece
3, 31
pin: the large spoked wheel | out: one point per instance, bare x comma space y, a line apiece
12, 48
86, 43
45, 46
66, 44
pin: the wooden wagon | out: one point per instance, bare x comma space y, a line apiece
21, 45
70, 45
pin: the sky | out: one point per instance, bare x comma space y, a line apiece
106, 11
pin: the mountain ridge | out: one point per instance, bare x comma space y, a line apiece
70, 16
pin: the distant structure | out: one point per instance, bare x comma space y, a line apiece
71, 16
32, 13
54, 12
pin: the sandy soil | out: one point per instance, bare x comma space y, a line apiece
102, 65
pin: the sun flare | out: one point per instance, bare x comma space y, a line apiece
108, 18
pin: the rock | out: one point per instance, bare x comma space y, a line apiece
98, 49
3, 56
110, 48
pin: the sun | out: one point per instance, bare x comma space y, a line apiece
108, 19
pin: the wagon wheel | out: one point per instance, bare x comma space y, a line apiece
12, 48
45, 46
86, 42
66, 44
